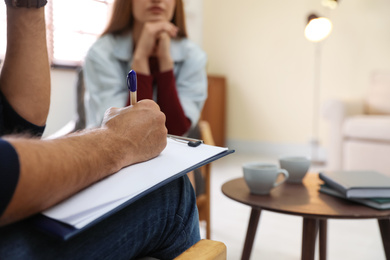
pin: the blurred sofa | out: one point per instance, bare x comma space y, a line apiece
360, 129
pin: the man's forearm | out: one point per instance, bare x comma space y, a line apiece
52, 170
25, 78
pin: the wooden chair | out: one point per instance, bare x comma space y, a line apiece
212, 122
205, 250
203, 200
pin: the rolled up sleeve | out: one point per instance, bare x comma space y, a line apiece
9, 169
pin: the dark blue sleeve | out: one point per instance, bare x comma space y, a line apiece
9, 170
12, 123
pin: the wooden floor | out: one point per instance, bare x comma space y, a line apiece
347, 239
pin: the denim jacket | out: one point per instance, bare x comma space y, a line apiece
109, 60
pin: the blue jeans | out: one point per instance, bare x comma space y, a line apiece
162, 224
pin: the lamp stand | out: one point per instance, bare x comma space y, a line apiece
314, 142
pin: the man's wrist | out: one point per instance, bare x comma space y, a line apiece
26, 3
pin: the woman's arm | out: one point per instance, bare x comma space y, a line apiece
105, 83
168, 99
191, 81
182, 96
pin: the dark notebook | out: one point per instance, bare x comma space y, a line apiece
358, 184
376, 203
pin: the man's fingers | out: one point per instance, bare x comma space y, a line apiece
149, 103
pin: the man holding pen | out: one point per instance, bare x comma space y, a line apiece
36, 174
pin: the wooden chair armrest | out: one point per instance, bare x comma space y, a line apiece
205, 132
205, 250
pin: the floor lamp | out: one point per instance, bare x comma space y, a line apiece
317, 29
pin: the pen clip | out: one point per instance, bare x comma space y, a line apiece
189, 141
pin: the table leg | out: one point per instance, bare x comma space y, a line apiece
250, 233
309, 234
384, 226
323, 238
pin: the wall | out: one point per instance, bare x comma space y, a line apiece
259, 46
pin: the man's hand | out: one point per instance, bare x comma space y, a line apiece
138, 131
54, 169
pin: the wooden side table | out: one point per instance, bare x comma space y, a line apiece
306, 201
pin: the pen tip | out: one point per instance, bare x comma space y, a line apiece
131, 73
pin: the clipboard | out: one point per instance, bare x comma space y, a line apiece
73, 216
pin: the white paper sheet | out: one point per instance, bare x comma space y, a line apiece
105, 195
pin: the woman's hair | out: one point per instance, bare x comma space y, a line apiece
122, 18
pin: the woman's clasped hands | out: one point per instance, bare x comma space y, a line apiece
154, 41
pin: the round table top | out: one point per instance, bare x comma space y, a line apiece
301, 199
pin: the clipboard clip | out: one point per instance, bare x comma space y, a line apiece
192, 142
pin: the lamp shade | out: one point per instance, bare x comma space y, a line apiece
317, 28
332, 4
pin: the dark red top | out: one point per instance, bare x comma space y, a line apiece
167, 98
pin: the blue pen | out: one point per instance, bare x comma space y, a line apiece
132, 86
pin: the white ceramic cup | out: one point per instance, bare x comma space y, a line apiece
261, 178
297, 167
